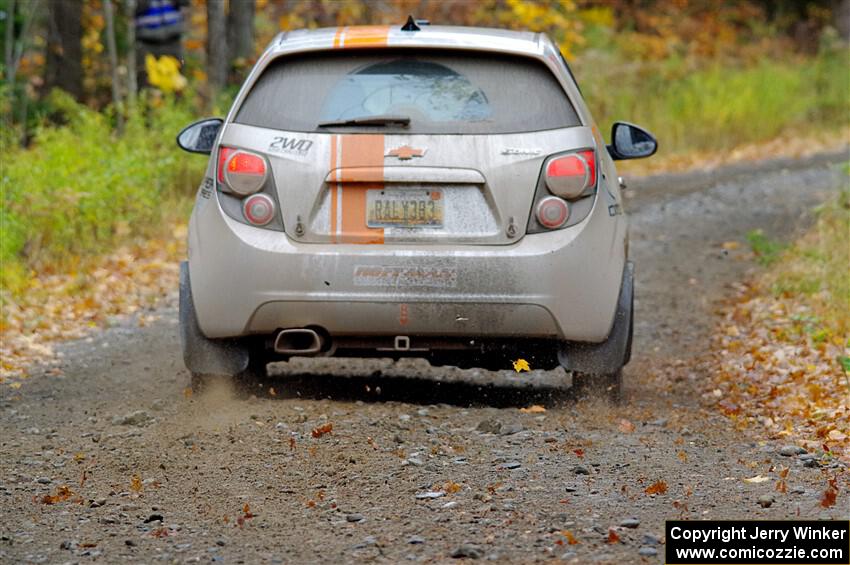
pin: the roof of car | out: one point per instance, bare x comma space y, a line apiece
476, 38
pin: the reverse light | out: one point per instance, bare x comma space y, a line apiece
552, 212
569, 176
258, 209
244, 173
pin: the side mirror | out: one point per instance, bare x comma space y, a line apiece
200, 136
631, 142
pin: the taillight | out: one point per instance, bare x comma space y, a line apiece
552, 212
244, 173
258, 209
569, 176
223, 154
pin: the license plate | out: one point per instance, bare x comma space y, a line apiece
404, 208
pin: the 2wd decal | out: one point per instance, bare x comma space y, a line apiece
290, 145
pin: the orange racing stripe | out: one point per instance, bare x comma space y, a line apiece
362, 36
334, 187
359, 151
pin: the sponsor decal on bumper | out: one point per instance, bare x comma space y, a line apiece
404, 276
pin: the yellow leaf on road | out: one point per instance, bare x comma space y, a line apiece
535, 409
521, 365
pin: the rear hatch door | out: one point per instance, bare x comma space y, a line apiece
461, 166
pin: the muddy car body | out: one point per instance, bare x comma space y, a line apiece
383, 191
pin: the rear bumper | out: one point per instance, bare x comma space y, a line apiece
563, 284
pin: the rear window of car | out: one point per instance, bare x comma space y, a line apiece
441, 92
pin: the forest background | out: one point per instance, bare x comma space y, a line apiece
88, 163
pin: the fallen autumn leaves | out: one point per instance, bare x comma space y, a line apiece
769, 371
59, 307
781, 355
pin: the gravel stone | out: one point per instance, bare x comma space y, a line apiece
766, 500
354, 517
489, 426
581, 470
137, 418
630, 523
430, 494
647, 551
791, 450
467, 550
510, 429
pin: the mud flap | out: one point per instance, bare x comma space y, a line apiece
609, 356
204, 356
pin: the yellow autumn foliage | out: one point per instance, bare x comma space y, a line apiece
164, 73
556, 17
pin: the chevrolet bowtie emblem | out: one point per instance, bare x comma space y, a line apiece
406, 152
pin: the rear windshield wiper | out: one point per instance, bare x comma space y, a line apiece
382, 120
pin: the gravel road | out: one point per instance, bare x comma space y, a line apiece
422, 464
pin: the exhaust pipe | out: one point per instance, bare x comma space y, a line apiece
298, 341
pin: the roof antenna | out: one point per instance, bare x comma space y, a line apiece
410, 24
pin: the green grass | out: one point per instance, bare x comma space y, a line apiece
766, 250
718, 107
81, 191
814, 270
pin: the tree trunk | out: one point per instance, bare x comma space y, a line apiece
841, 15
132, 83
216, 46
64, 67
240, 36
9, 45
113, 65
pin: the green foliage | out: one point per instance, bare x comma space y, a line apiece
845, 363
767, 251
815, 268
718, 106
80, 190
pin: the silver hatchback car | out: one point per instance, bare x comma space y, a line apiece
429, 191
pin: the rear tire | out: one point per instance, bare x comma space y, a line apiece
255, 373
